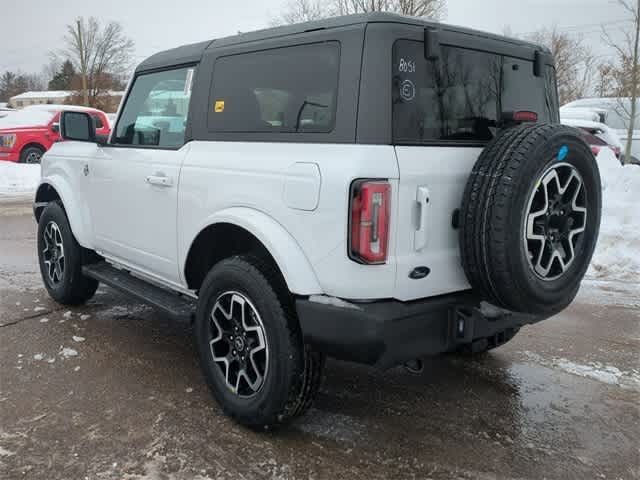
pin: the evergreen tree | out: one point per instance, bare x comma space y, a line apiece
63, 79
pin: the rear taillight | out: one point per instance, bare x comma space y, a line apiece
369, 221
595, 150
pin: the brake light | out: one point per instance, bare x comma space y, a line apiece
369, 226
595, 150
524, 116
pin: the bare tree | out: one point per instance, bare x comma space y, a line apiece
100, 54
435, 9
15, 83
605, 79
626, 74
574, 63
306, 10
297, 11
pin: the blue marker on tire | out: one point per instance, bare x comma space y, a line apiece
562, 154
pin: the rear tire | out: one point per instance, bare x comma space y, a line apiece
250, 344
61, 259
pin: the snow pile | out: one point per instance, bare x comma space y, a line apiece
617, 255
68, 352
18, 178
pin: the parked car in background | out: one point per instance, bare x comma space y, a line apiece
26, 134
612, 112
4, 111
597, 135
112, 118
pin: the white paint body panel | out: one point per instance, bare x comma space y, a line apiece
302, 186
221, 175
134, 219
440, 173
293, 197
63, 169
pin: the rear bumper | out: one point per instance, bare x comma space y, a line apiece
391, 332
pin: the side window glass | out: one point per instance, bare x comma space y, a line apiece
155, 113
290, 89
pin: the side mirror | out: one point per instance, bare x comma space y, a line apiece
77, 126
55, 128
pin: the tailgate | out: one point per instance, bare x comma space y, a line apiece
432, 182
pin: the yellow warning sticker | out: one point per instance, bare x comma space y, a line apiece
219, 106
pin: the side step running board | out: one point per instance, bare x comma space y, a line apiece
174, 305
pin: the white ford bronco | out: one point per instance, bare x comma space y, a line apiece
374, 188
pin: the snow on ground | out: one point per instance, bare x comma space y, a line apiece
617, 255
68, 352
608, 374
18, 178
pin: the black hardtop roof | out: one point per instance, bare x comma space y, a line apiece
192, 53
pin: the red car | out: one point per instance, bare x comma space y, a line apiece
26, 134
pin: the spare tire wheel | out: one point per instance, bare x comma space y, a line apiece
530, 218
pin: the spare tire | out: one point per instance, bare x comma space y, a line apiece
530, 218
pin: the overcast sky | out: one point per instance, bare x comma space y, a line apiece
31, 28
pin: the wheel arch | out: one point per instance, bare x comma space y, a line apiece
241, 230
55, 189
33, 144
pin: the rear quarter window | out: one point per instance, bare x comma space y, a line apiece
282, 90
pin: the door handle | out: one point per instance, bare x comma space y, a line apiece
160, 180
420, 235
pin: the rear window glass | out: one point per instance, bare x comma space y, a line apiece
460, 98
292, 89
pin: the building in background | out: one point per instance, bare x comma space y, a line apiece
109, 101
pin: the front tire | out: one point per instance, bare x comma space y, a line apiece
60, 258
31, 155
250, 344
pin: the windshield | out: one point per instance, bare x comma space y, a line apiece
461, 97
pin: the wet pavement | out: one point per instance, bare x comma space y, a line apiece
112, 390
